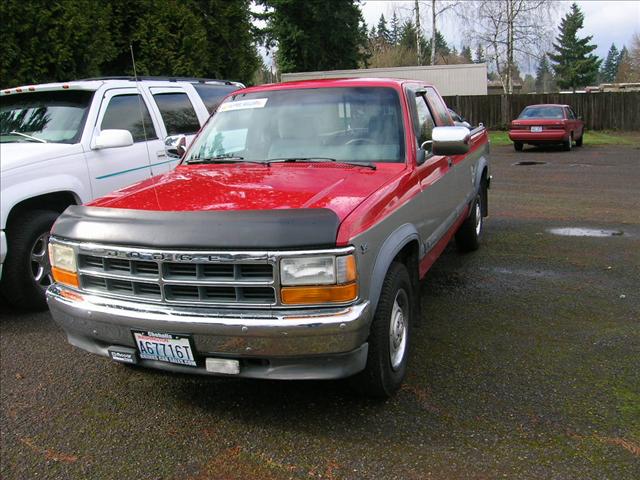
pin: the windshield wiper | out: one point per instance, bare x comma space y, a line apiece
321, 159
13, 132
223, 159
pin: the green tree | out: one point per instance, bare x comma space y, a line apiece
478, 56
610, 67
202, 38
574, 64
315, 34
46, 41
394, 30
544, 76
465, 53
384, 35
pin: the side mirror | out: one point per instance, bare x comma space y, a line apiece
450, 140
175, 146
112, 138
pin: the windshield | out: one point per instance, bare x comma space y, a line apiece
541, 112
361, 124
56, 116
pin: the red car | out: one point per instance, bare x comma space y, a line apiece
547, 124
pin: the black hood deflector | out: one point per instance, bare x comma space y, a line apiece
229, 230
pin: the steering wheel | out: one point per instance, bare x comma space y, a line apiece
360, 141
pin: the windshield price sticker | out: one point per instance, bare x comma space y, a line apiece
165, 347
243, 104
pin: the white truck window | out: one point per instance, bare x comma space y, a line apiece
177, 113
126, 112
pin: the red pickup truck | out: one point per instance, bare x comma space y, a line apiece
289, 242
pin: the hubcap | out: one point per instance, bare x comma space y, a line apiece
478, 218
40, 265
398, 330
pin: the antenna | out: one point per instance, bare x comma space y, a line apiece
144, 128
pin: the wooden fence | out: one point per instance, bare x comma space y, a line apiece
600, 111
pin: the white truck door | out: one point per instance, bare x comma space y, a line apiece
180, 118
117, 167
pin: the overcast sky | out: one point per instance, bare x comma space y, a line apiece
608, 21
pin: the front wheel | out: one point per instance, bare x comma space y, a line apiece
27, 271
567, 144
469, 233
389, 336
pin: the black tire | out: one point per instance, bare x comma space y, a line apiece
469, 234
567, 144
381, 377
19, 285
518, 146
579, 140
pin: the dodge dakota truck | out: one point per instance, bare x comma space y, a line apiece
288, 244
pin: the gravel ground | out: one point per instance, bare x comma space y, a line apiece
526, 365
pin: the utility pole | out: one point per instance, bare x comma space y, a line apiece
418, 32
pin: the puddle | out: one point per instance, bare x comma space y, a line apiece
585, 232
528, 162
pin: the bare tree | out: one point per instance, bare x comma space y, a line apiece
510, 29
437, 9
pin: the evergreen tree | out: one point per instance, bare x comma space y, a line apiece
70, 39
46, 41
394, 31
384, 36
574, 64
610, 66
624, 71
479, 55
315, 34
442, 49
544, 76
465, 53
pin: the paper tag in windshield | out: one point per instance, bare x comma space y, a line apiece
243, 104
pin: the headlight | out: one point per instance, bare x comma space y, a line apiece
318, 279
62, 257
63, 264
308, 271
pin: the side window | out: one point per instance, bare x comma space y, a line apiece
570, 114
425, 124
177, 113
440, 110
127, 112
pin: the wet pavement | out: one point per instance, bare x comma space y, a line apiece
526, 365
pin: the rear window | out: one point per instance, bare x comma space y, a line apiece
212, 94
55, 116
542, 112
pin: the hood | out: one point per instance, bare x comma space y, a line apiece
221, 187
21, 154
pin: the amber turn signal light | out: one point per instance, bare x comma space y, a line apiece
319, 294
67, 278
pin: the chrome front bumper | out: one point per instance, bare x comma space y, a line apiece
278, 344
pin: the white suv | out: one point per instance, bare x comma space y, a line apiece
67, 143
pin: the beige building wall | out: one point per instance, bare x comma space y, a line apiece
448, 79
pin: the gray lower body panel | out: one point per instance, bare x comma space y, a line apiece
288, 344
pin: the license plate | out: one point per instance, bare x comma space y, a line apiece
165, 347
536, 129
